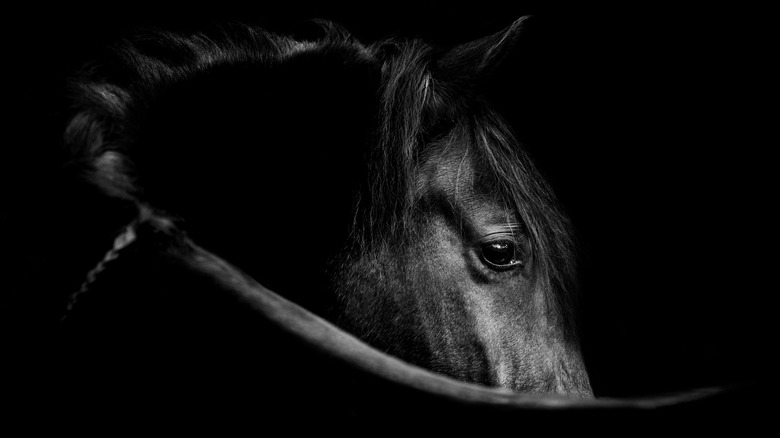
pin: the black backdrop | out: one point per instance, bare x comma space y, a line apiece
651, 126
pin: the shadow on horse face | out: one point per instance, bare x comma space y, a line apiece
376, 170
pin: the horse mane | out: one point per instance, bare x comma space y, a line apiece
417, 105
109, 95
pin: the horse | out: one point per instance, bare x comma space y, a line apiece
244, 192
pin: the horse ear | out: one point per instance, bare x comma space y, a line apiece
477, 59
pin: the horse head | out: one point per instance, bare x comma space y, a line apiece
465, 264
371, 183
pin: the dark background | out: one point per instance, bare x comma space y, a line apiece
652, 125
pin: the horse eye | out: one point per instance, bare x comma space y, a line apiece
501, 254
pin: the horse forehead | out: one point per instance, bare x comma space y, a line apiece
445, 168
449, 170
